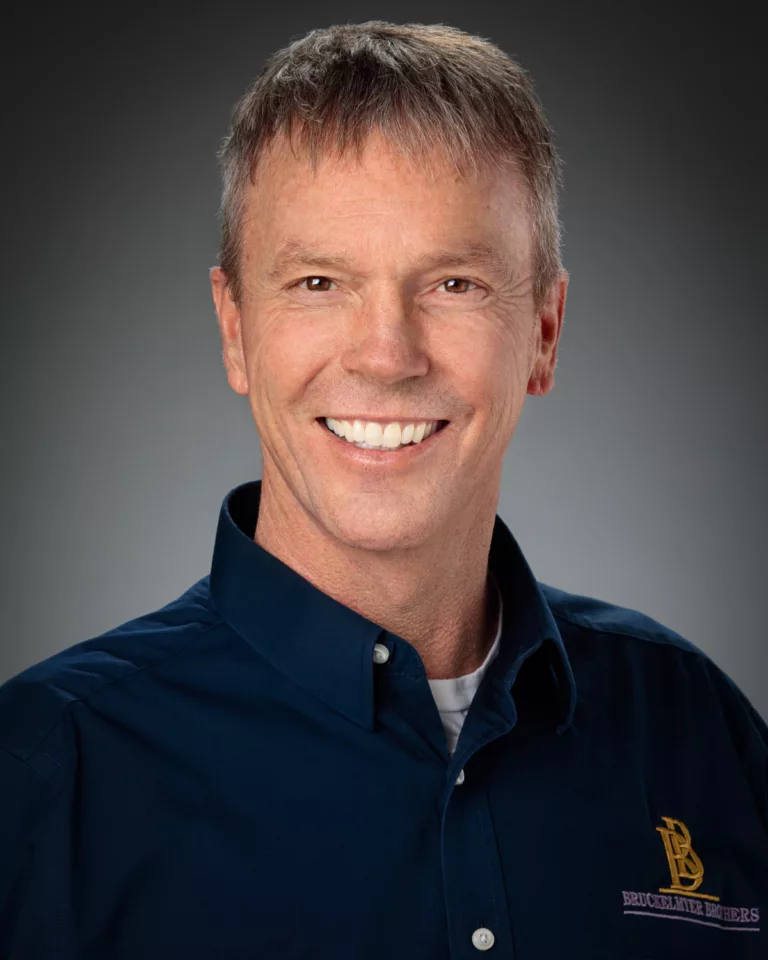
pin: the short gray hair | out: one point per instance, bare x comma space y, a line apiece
423, 86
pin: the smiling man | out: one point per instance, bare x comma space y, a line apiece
370, 732
386, 390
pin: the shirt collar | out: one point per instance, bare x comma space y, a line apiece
327, 648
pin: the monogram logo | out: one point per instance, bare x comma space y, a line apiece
680, 901
685, 866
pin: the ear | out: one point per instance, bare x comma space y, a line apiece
228, 314
546, 335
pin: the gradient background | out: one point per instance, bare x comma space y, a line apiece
640, 479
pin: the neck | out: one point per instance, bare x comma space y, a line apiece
438, 597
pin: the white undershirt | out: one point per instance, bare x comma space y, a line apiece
454, 695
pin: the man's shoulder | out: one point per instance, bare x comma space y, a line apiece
34, 701
607, 643
600, 618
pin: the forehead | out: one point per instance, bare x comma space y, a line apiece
380, 176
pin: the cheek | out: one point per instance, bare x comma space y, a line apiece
284, 353
484, 362
494, 381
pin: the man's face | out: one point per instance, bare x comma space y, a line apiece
398, 332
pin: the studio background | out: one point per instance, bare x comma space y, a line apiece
640, 479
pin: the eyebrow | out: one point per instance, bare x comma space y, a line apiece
295, 253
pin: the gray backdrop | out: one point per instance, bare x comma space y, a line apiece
640, 479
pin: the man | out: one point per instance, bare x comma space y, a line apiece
370, 732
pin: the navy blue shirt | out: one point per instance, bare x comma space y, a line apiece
257, 771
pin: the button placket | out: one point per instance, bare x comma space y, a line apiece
474, 882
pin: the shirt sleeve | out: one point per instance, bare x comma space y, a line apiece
22, 794
749, 735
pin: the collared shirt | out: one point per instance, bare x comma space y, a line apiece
257, 771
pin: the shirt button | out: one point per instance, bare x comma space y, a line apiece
460, 778
483, 939
380, 653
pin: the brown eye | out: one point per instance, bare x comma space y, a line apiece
455, 280
314, 287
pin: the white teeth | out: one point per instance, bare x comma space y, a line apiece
375, 436
391, 436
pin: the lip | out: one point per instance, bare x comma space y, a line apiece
389, 458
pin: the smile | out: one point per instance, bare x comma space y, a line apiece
382, 437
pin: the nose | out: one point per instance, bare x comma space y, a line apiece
385, 342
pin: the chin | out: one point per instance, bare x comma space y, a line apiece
377, 531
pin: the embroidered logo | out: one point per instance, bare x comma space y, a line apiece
685, 866
687, 875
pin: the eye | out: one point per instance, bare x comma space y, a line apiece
460, 280
314, 278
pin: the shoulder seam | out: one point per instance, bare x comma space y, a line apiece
146, 666
661, 641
